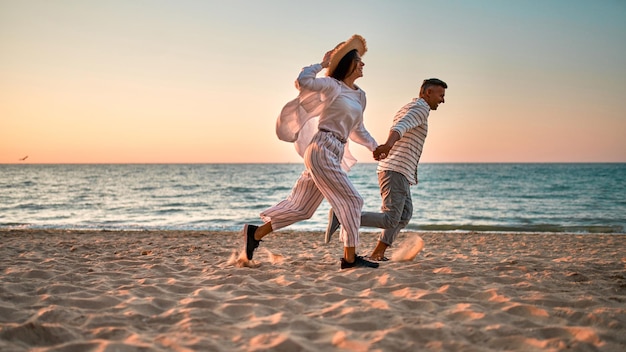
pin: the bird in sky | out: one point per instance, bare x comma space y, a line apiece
24, 158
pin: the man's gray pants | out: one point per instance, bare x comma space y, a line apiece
397, 207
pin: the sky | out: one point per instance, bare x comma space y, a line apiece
153, 81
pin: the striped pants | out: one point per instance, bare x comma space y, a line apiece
323, 178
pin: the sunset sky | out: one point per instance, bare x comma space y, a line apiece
184, 81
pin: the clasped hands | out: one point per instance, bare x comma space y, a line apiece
381, 152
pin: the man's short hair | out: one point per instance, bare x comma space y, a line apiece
433, 82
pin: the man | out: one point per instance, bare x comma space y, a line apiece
397, 167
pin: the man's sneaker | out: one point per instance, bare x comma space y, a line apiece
333, 225
359, 262
251, 243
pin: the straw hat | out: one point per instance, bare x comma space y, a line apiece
355, 42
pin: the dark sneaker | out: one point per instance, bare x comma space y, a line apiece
251, 243
359, 262
333, 225
378, 259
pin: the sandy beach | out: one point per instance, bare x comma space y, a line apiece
183, 291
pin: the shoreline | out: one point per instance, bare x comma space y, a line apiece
179, 290
365, 230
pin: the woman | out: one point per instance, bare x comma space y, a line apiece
327, 112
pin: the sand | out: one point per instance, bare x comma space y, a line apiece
183, 291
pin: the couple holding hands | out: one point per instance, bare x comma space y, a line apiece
326, 114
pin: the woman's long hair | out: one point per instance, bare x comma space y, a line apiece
345, 66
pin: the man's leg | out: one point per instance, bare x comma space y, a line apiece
397, 211
389, 235
394, 191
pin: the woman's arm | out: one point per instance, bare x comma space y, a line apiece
362, 136
308, 76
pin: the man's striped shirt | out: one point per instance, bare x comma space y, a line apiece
411, 122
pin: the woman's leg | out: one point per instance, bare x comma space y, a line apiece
300, 205
323, 161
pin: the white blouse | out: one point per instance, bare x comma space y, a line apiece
324, 103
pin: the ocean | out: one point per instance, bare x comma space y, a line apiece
511, 197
